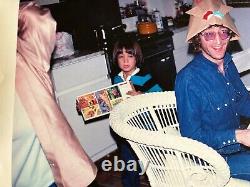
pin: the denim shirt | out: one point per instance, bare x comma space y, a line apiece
210, 104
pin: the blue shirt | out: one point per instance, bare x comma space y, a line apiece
142, 81
210, 104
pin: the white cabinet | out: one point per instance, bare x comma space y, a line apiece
73, 77
181, 55
242, 63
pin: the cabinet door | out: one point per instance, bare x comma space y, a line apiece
79, 71
182, 57
75, 77
182, 53
94, 136
162, 68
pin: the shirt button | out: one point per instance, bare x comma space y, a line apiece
228, 83
233, 99
224, 143
228, 141
218, 108
234, 140
236, 114
225, 104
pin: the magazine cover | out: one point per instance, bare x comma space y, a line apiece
89, 106
101, 102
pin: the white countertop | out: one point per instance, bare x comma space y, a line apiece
77, 57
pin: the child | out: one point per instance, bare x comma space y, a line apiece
127, 55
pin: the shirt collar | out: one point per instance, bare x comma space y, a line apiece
129, 77
227, 59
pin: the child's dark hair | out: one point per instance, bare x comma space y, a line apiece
131, 47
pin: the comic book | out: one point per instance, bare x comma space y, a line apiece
100, 102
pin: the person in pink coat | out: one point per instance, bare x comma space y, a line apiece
46, 151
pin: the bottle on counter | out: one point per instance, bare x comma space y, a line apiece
157, 18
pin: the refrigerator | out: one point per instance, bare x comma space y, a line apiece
74, 76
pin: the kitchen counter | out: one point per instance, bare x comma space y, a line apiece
79, 55
177, 30
161, 33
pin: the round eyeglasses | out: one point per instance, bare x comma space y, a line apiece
211, 35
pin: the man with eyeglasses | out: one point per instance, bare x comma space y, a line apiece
210, 95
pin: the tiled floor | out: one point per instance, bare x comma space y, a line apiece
112, 178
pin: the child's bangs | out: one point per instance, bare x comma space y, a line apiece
130, 51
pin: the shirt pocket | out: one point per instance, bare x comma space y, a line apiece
237, 96
238, 90
219, 102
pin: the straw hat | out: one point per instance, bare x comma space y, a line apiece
209, 12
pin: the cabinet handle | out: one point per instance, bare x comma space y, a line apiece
165, 59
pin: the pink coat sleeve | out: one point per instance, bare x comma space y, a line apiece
70, 165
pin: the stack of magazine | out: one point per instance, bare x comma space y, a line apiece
100, 102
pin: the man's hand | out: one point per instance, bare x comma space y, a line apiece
243, 137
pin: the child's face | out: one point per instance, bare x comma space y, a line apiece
126, 62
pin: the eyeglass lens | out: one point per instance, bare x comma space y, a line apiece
224, 34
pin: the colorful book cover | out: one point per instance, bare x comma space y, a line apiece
89, 106
101, 102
